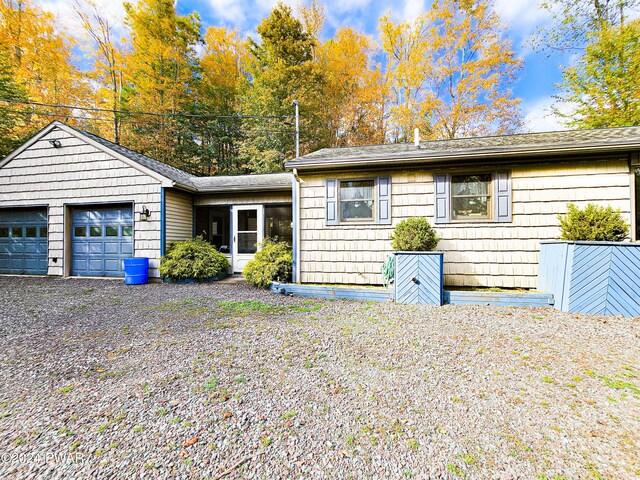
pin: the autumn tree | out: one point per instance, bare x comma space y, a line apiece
108, 69
470, 73
574, 22
451, 71
406, 46
281, 69
354, 92
217, 94
40, 58
600, 88
10, 120
604, 85
161, 75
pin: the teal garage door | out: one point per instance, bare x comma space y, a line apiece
101, 239
23, 241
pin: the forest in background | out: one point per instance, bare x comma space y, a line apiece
211, 102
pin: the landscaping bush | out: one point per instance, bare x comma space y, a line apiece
594, 223
273, 261
414, 235
194, 258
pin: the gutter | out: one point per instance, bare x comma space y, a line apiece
459, 155
243, 188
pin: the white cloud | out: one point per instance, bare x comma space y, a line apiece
539, 117
521, 13
66, 16
228, 10
412, 9
347, 5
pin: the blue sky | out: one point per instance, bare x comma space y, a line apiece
536, 81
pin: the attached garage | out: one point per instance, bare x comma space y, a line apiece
101, 239
23, 241
75, 204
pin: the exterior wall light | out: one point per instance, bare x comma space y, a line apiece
56, 143
144, 213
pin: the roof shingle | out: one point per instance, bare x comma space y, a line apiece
515, 144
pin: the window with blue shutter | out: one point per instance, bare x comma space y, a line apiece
502, 204
478, 197
358, 200
383, 201
441, 202
331, 201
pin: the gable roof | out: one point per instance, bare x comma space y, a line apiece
167, 171
171, 176
528, 144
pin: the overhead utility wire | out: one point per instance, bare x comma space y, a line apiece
142, 124
125, 112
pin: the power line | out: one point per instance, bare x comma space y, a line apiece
124, 112
126, 123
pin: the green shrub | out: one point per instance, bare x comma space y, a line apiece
594, 223
414, 235
195, 258
273, 261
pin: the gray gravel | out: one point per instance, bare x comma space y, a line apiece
98, 379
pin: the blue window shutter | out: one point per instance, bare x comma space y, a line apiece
441, 198
331, 201
502, 189
383, 200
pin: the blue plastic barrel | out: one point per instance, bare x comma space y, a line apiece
136, 271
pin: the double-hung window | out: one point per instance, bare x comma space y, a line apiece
472, 197
358, 200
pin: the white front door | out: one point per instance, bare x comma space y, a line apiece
248, 231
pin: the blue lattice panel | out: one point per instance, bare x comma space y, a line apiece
592, 277
419, 277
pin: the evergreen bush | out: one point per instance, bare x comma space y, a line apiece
194, 258
414, 235
273, 261
593, 223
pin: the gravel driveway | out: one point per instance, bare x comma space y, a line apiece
98, 379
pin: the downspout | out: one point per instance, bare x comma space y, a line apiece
635, 199
296, 226
162, 222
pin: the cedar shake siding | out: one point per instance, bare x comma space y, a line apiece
481, 253
80, 174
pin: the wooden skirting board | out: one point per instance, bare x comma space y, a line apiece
381, 294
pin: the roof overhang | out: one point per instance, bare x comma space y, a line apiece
444, 157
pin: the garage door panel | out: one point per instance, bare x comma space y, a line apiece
98, 243
32, 247
80, 248
23, 241
112, 265
113, 248
17, 247
80, 264
32, 264
96, 264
